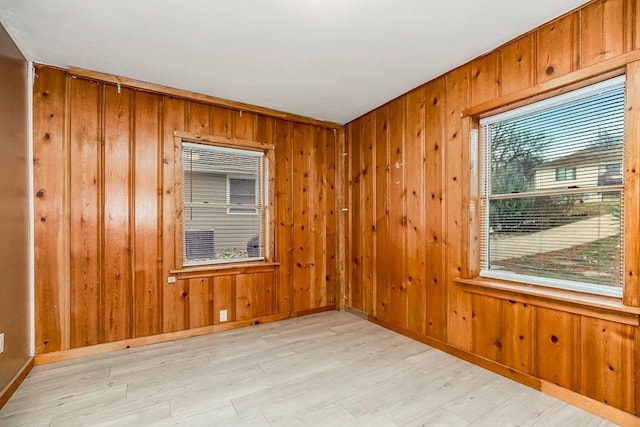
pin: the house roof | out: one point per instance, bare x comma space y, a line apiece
328, 59
585, 157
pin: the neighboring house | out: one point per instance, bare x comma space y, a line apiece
212, 185
582, 169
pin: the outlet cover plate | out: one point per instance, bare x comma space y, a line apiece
223, 315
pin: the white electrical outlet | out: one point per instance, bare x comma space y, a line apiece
223, 315
171, 279
1, 343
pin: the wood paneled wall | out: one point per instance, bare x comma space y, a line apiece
410, 232
104, 215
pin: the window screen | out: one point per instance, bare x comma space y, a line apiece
552, 191
224, 204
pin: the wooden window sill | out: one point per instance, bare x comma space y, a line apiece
224, 269
601, 307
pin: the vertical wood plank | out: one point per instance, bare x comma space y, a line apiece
631, 291
118, 298
415, 211
200, 303
487, 335
222, 122
318, 219
355, 209
223, 298
86, 317
253, 295
331, 280
244, 125
51, 227
397, 210
602, 31
342, 230
485, 78
606, 362
147, 291
517, 65
198, 118
367, 224
382, 273
518, 336
436, 286
455, 178
557, 48
175, 308
558, 347
303, 137
284, 213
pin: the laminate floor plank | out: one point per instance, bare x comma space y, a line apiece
330, 368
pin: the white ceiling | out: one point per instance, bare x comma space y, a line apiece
328, 59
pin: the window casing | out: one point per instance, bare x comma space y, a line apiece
224, 198
551, 207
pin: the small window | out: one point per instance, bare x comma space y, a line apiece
217, 182
552, 191
614, 169
241, 192
565, 174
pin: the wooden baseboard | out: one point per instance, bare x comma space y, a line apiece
13, 385
73, 353
601, 409
314, 310
356, 312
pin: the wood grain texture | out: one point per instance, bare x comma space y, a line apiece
356, 209
397, 211
602, 35
147, 291
558, 349
303, 270
631, 295
557, 48
51, 229
518, 336
485, 78
85, 209
175, 312
517, 65
436, 286
382, 306
455, 179
284, 214
117, 214
367, 213
415, 211
200, 302
606, 362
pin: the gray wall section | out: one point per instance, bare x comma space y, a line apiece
231, 230
14, 210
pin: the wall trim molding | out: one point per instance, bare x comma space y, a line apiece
74, 353
598, 408
165, 90
13, 385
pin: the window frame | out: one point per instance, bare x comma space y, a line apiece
269, 193
564, 95
564, 170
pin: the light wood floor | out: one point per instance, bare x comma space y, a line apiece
327, 369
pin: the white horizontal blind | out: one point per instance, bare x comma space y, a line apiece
552, 191
224, 204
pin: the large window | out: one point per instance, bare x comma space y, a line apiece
224, 204
552, 191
